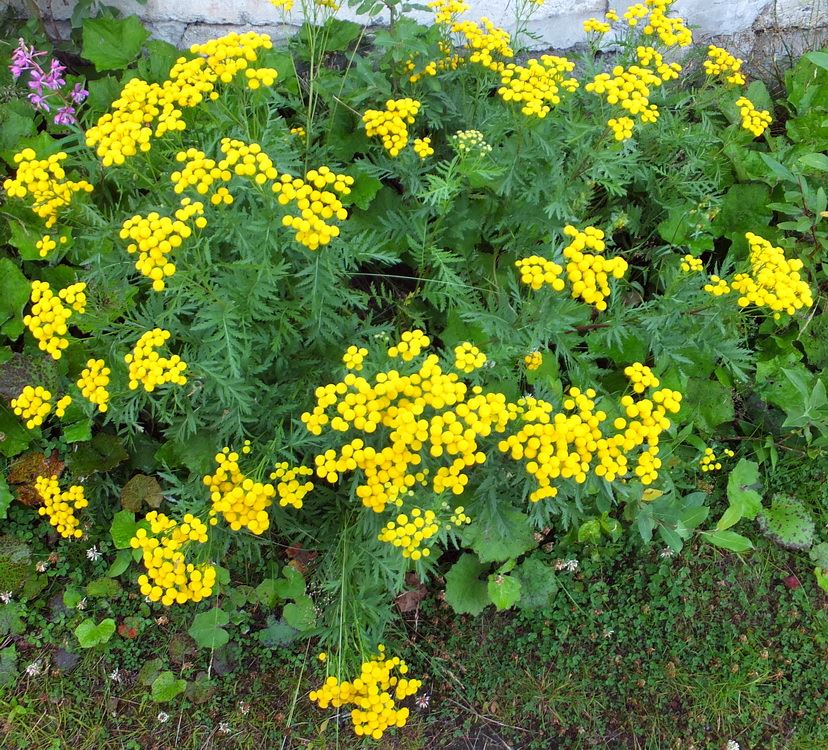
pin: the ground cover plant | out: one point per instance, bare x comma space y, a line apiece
292, 333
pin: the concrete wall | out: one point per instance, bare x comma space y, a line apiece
749, 24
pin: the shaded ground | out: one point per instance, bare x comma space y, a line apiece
634, 653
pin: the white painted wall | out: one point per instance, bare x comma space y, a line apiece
557, 23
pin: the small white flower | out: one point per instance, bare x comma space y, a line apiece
609, 633
93, 554
571, 565
732, 745
163, 717
34, 669
115, 675
5, 597
81, 605
666, 553
42, 566
224, 727
422, 701
244, 708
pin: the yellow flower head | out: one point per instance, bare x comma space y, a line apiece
372, 696
170, 579
753, 120
60, 506
391, 124
33, 404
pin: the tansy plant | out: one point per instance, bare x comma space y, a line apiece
440, 297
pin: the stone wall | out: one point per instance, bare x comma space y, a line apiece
763, 27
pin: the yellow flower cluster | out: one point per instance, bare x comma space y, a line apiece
691, 263
45, 245
33, 404
372, 695
290, 489
589, 273
45, 181
450, 60
709, 461
485, 42
62, 405
628, 88
533, 360
74, 295
753, 120
641, 377
146, 110
391, 124
774, 282
398, 403
317, 205
459, 517
93, 382
241, 501
228, 55
470, 142
422, 147
650, 57
468, 358
258, 77
720, 62
198, 172
154, 237
299, 131
285, 5
564, 445
353, 357
594, 26
409, 533
553, 445
535, 271
445, 11
717, 286
60, 506
148, 369
170, 579
536, 85
431, 69
48, 318
635, 13
245, 160
222, 195
410, 345
621, 127
672, 32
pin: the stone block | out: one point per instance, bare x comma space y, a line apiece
793, 14
198, 33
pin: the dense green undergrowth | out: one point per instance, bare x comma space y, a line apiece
650, 653
518, 368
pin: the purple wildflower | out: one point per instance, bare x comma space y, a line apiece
65, 116
36, 79
23, 58
54, 80
79, 93
39, 101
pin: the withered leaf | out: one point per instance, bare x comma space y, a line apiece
33, 464
139, 490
